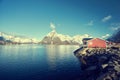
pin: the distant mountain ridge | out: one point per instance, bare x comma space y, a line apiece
16, 38
54, 38
115, 37
51, 38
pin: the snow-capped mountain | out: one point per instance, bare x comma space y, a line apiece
17, 39
51, 38
54, 38
78, 38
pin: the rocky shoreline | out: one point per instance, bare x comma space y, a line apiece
99, 63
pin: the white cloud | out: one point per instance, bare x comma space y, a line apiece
115, 26
90, 23
52, 26
105, 36
106, 18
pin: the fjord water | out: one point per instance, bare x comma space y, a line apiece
38, 62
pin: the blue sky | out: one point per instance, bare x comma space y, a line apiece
72, 17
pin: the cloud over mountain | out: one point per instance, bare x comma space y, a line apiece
52, 26
115, 26
106, 36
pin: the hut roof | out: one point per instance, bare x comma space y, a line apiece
87, 39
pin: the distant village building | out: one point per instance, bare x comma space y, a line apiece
109, 43
85, 41
94, 43
2, 40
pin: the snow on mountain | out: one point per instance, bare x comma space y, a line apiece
53, 34
51, 38
54, 38
17, 39
78, 38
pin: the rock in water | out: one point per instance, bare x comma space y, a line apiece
99, 64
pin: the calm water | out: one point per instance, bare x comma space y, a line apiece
38, 62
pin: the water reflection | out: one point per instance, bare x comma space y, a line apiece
56, 54
39, 62
14, 50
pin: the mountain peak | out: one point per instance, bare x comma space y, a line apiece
52, 33
55, 38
